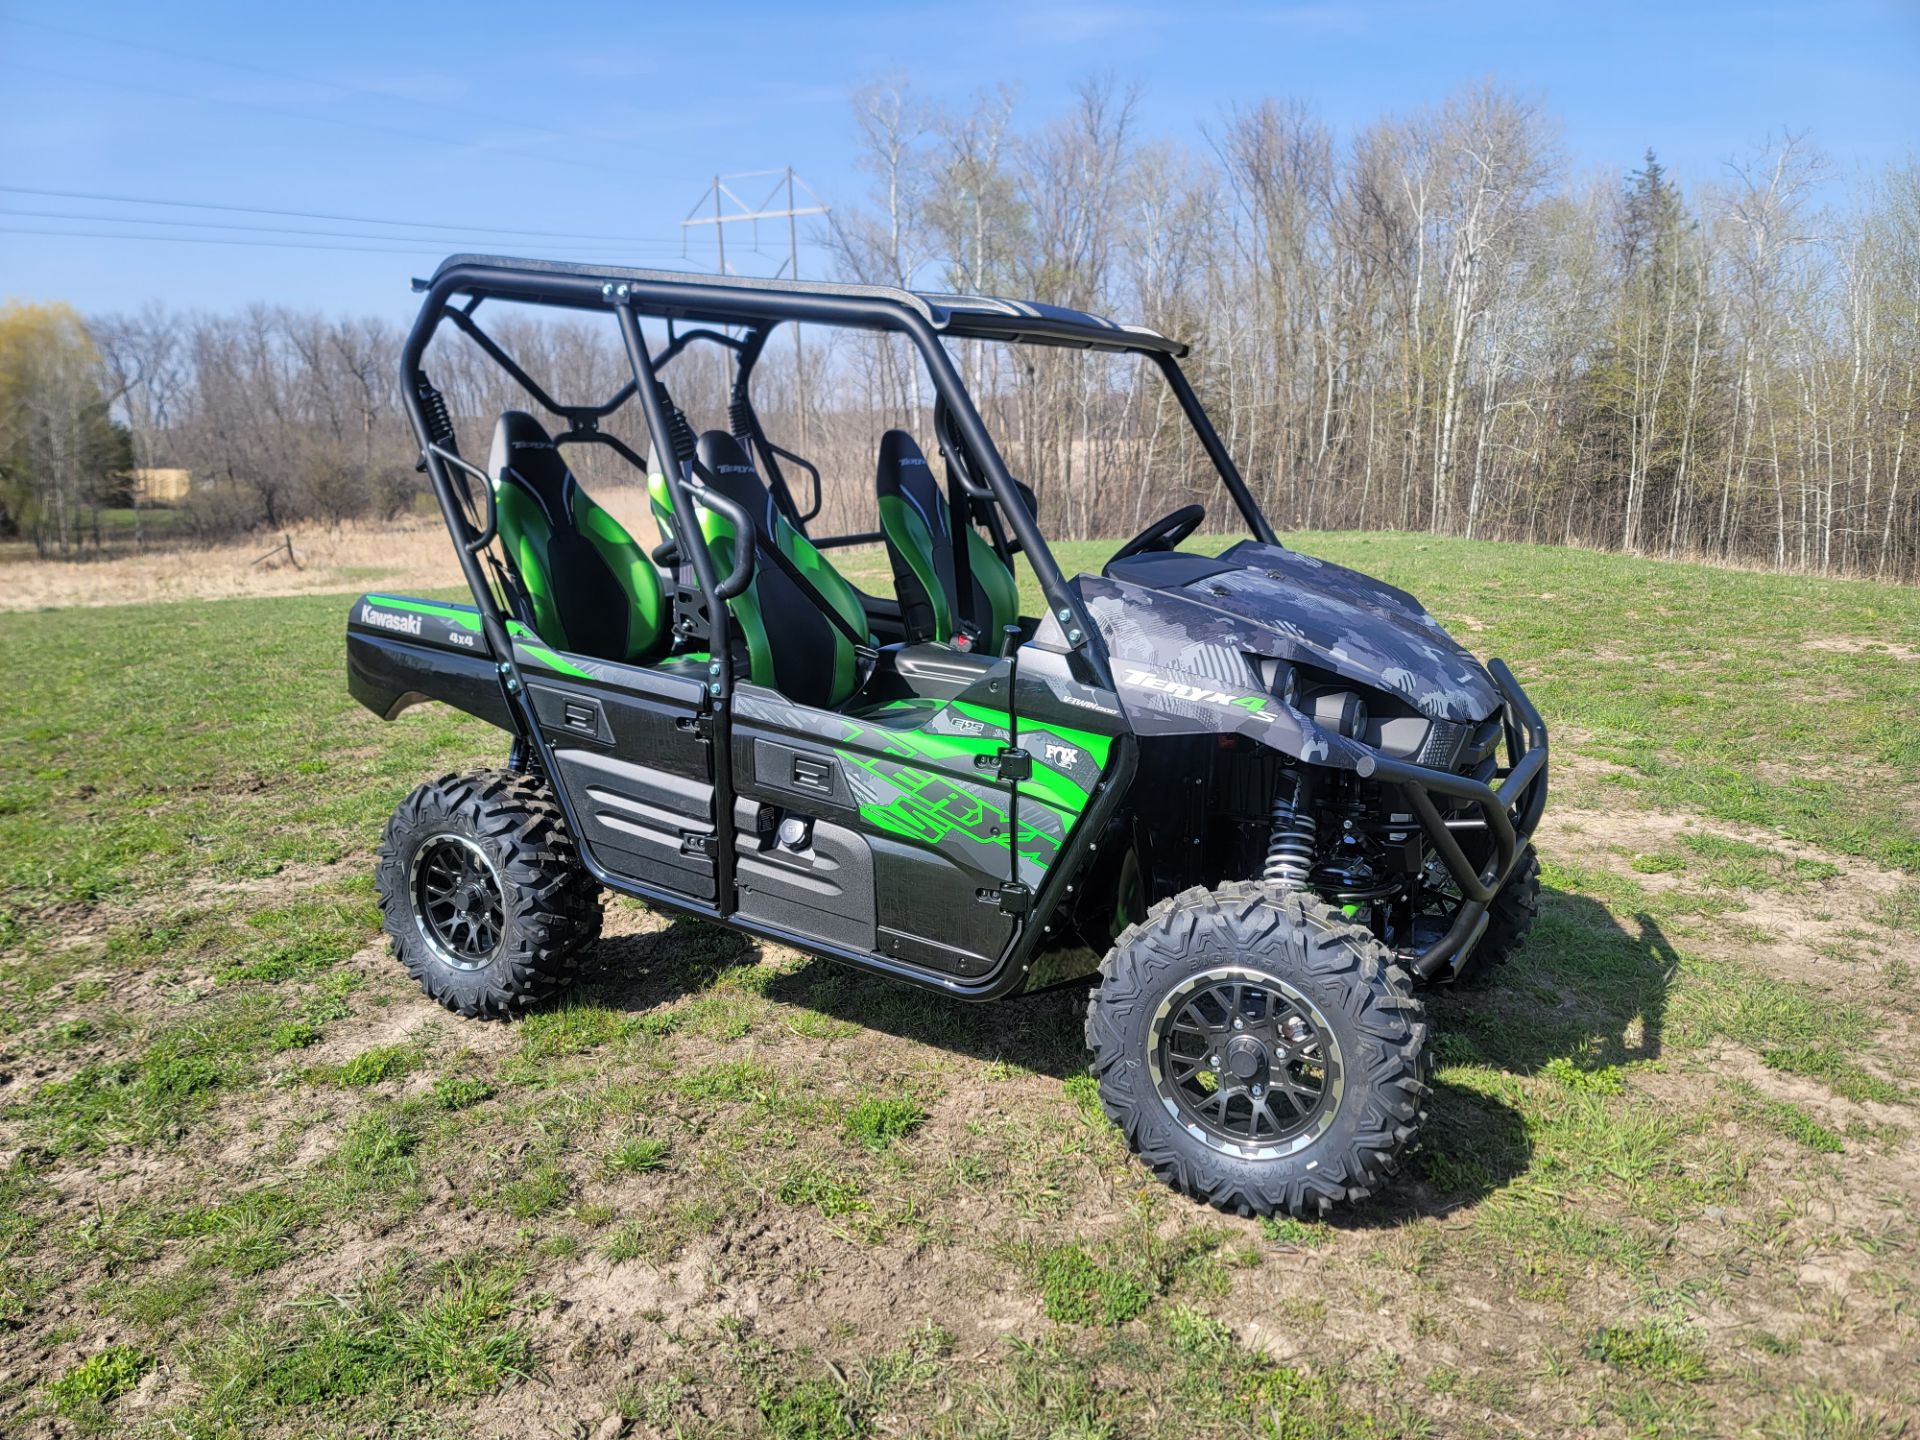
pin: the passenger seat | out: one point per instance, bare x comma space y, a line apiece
791, 645
593, 589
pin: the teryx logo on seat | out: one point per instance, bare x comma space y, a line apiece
1147, 680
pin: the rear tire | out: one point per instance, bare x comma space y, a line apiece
483, 893
1309, 1099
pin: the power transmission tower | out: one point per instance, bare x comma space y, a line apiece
727, 208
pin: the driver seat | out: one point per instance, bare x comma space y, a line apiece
592, 589
918, 527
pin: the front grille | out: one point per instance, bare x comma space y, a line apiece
1441, 748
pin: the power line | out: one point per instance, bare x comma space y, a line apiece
246, 67
457, 240
441, 225
720, 193
209, 240
600, 257
414, 136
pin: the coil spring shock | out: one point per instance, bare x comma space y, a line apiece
740, 416
678, 429
439, 424
1292, 844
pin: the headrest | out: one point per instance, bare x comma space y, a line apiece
522, 442
724, 465
902, 472
901, 459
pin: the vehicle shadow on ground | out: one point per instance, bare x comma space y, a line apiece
653, 968
1588, 990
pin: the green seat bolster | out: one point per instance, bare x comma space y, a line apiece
660, 501
721, 539
648, 630
526, 534
910, 539
831, 584
995, 580
763, 662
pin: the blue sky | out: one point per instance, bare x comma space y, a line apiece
609, 120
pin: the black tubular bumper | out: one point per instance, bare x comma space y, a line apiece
1508, 809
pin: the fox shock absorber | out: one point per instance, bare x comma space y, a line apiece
1292, 844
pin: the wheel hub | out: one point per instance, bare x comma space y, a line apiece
1246, 1062
457, 902
1246, 1058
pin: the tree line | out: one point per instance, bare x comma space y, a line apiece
1435, 324
1432, 324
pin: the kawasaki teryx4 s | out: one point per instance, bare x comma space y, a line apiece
1253, 796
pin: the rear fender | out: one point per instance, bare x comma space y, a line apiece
402, 652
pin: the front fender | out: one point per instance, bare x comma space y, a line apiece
1160, 700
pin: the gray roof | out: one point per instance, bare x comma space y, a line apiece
970, 316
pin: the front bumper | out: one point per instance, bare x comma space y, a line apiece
1508, 809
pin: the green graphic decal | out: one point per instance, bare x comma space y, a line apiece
907, 788
929, 807
465, 616
559, 664
1095, 745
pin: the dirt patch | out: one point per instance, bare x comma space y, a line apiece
1818, 930
1862, 645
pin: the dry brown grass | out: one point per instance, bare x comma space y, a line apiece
407, 554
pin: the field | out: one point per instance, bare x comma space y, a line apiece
251, 1183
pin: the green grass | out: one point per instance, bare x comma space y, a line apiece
235, 1190
97, 1381
1661, 1348
390, 1344
381, 1063
457, 1092
877, 1121
1076, 1289
638, 1154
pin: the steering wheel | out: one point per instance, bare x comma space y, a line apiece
1166, 533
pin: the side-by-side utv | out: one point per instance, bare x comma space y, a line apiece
1253, 797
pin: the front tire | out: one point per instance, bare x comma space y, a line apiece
1510, 920
483, 893
1259, 1052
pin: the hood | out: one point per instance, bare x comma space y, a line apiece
1202, 616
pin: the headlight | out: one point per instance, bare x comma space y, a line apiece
1279, 677
1341, 711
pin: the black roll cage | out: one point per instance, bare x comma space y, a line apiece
758, 307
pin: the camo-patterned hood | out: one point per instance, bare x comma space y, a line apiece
1263, 600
